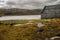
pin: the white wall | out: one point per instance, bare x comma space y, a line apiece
25, 17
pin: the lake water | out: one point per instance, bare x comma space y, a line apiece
25, 17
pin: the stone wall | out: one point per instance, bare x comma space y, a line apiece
51, 11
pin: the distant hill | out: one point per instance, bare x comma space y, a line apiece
14, 11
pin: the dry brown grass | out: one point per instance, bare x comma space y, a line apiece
29, 32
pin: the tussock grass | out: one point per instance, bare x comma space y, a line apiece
29, 31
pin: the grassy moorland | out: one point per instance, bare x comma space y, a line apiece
29, 31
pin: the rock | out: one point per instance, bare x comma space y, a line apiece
18, 24
40, 25
54, 37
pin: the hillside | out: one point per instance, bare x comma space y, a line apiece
13, 11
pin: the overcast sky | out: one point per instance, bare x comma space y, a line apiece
31, 4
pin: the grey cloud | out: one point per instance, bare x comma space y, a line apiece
32, 4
